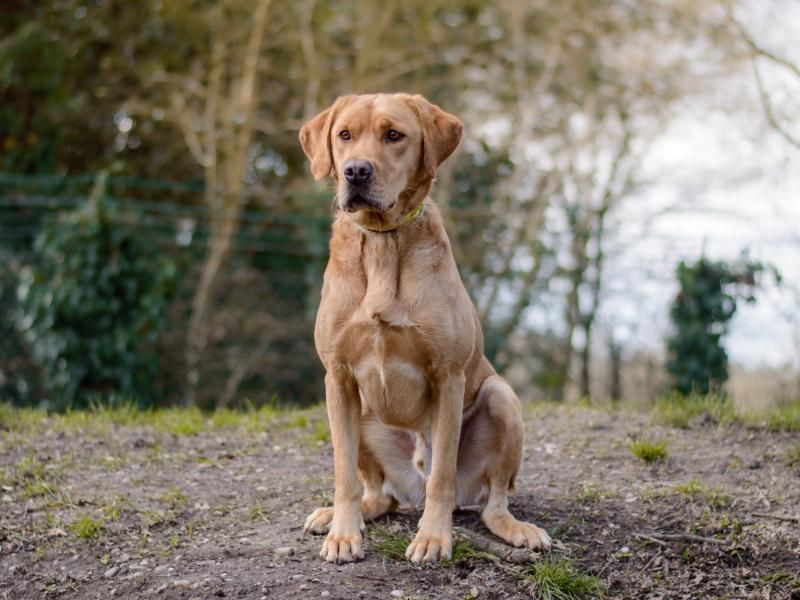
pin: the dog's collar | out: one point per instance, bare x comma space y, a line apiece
407, 218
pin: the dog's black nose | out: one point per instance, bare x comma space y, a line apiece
358, 172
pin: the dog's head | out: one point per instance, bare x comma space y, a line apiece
382, 149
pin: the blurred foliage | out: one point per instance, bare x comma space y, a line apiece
148, 88
700, 314
261, 346
92, 305
31, 93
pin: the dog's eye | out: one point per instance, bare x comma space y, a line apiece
393, 135
344, 135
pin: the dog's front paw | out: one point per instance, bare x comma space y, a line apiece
430, 547
319, 521
342, 548
344, 542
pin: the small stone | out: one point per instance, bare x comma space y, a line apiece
181, 583
161, 588
111, 572
325, 593
56, 532
396, 593
284, 551
473, 591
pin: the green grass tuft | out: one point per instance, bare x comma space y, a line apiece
388, 544
591, 492
86, 528
784, 418
649, 452
174, 498
391, 545
691, 488
37, 487
715, 497
560, 580
677, 410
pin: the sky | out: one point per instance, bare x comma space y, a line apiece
720, 182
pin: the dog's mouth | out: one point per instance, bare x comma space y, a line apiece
357, 200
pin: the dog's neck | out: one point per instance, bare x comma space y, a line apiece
408, 206
417, 247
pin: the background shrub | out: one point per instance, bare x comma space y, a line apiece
92, 303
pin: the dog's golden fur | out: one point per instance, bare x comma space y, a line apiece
417, 413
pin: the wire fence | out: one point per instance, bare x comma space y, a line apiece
260, 343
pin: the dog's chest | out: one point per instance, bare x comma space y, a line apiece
391, 378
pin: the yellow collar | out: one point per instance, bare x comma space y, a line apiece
408, 217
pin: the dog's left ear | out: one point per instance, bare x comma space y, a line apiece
315, 137
441, 133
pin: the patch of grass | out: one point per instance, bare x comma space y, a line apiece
297, 422
20, 420
257, 513
112, 463
177, 422
112, 507
51, 520
784, 418
86, 528
29, 468
677, 410
648, 451
714, 497
37, 487
691, 488
174, 498
782, 578
560, 580
322, 432
154, 518
591, 492
388, 544
391, 545
107, 412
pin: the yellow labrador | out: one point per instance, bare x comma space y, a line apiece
417, 413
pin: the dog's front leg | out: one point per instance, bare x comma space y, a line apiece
344, 540
434, 538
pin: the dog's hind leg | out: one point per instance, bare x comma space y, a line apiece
491, 454
375, 502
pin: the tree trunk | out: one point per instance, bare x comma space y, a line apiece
227, 164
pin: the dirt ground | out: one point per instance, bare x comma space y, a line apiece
218, 513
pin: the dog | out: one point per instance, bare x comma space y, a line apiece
417, 413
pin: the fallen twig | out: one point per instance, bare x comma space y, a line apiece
503, 552
650, 538
687, 537
788, 518
652, 560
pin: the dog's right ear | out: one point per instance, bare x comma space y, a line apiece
315, 137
